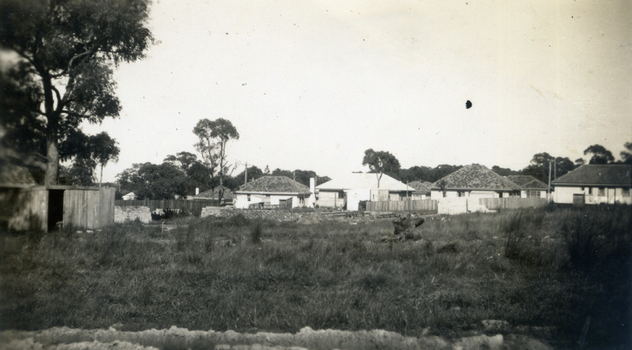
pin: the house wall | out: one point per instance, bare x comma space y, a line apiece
534, 194
379, 195
330, 199
611, 195
355, 196
242, 202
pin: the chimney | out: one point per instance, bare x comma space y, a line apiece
312, 189
197, 191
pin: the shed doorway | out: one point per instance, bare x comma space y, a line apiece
55, 208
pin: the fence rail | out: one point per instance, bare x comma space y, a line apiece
512, 203
426, 205
192, 206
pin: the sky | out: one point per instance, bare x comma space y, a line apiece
312, 84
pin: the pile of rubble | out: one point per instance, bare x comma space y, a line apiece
271, 214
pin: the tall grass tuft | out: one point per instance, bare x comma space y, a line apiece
255, 235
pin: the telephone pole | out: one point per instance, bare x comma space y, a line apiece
548, 195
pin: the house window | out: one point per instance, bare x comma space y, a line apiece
248, 196
533, 194
589, 190
602, 191
625, 192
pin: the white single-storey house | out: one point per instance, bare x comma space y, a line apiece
271, 191
474, 181
530, 186
347, 191
129, 197
595, 184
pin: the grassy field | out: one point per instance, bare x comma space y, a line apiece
545, 272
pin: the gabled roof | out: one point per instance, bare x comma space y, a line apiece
355, 181
274, 184
130, 193
421, 187
475, 177
214, 193
598, 174
527, 182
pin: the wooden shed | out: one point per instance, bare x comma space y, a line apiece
44, 208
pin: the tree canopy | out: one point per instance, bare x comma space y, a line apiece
212, 139
626, 156
155, 181
62, 76
600, 155
381, 163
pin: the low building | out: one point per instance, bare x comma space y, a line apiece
129, 197
347, 191
595, 184
422, 189
228, 197
530, 186
475, 181
272, 191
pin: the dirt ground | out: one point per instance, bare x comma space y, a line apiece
182, 338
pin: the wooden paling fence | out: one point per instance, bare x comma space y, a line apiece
426, 205
192, 206
512, 203
89, 209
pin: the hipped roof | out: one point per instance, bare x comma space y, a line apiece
421, 187
527, 182
598, 174
364, 181
274, 184
475, 177
214, 193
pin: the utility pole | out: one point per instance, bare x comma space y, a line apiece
549, 190
246, 174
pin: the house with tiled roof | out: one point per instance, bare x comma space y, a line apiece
595, 184
422, 189
530, 187
347, 191
474, 180
272, 191
213, 194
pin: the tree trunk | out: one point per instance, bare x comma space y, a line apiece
101, 177
52, 165
52, 116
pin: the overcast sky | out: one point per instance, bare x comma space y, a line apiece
312, 84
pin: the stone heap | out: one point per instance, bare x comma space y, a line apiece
131, 213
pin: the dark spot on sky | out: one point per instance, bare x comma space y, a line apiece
468, 104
